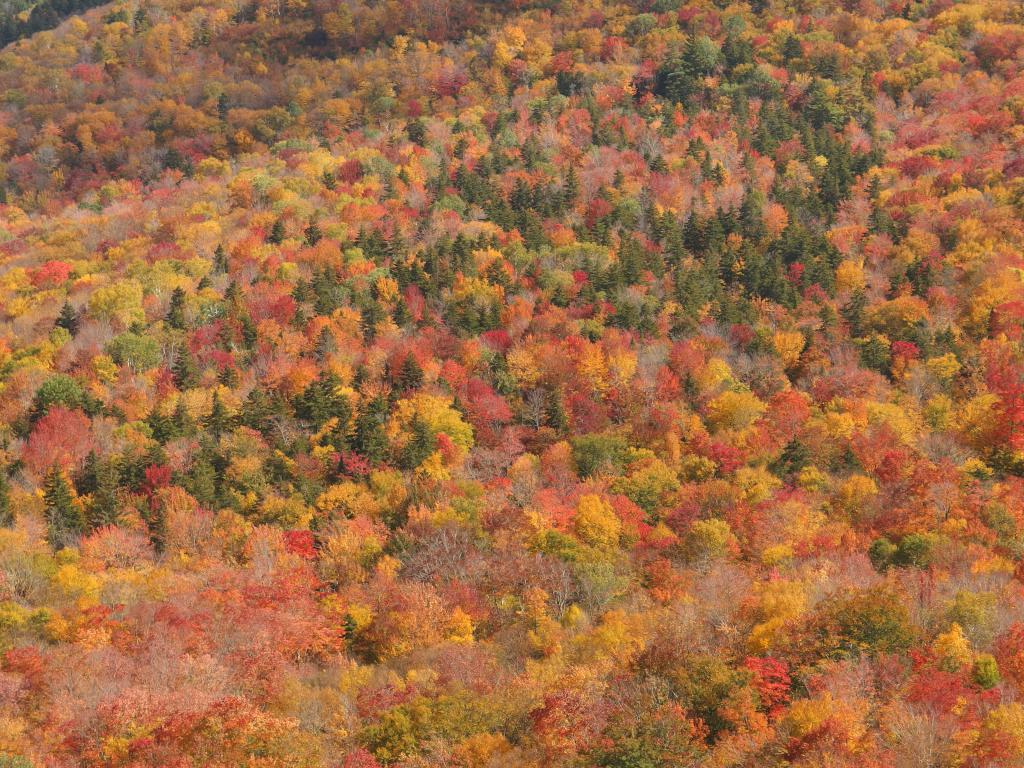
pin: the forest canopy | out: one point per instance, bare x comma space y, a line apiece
565, 383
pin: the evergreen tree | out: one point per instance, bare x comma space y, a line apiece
410, 375
218, 420
156, 521
6, 511
85, 479
555, 415
185, 370
104, 508
183, 424
232, 295
201, 481
325, 345
220, 260
400, 314
853, 312
369, 439
176, 312
250, 333
321, 401
68, 319
416, 131
313, 233
277, 233
420, 445
571, 187
64, 520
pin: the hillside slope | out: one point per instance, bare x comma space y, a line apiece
483, 384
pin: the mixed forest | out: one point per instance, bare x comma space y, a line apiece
558, 383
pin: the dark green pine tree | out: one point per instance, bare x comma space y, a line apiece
370, 315
176, 311
313, 233
416, 130
400, 314
220, 260
232, 294
104, 508
185, 370
320, 401
325, 345
794, 457
183, 424
258, 411
555, 416
6, 511
277, 233
202, 481
229, 376
156, 521
420, 445
370, 440
162, 426
410, 375
64, 520
249, 331
570, 188
218, 421
853, 312
85, 479
68, 319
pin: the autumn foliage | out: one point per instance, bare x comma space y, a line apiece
477, 384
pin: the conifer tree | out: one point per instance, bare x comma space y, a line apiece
313, 233
68, 319
104, 508
277, 233
176, 311
420, 445
185, 370
220, 260
64, 520
410, 375
218, 421
6, 511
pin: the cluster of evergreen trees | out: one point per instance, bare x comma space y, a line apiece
44, 15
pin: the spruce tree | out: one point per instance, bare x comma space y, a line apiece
555, 416
68, 319
325, 345
410, 375
183, 424
277, 233
370, 440
202, 481
571, 187
176, 312
64, 520
220, 260
104, 508
420, 445
313, 233
400, 314
218, 421
156, 521
185, 370
6, 512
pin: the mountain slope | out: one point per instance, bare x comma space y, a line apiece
513, 384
